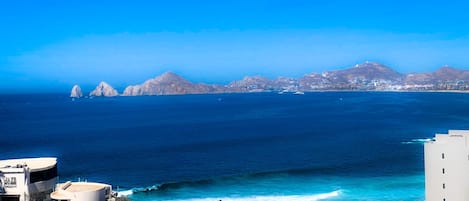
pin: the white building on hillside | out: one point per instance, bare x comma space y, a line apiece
82, 191
447, 167
29, 179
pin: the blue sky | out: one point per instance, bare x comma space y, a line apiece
48, 46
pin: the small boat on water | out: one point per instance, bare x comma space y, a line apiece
299, 93
283, 91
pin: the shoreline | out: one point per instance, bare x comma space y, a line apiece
256, 92
292, 93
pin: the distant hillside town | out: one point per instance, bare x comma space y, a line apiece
368, 76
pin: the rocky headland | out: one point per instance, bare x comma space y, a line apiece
104, 89
368, 76
170, 83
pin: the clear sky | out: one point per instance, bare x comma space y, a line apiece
48, 46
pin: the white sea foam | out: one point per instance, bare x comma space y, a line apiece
314, 197
136, 190
125, 193
417, 141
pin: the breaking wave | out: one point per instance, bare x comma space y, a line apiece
314, 197
125, 193
285, 188
417, 141
267, 186
307, 184
138, 190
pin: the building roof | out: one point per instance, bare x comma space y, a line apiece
34, 164
66, 190
82, 186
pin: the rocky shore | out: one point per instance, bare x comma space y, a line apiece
368, 76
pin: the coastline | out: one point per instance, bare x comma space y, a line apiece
256, 92
315, 91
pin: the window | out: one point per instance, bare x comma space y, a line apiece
9, 198
9, 182
442, 155
43, 175
444, 186
443, 170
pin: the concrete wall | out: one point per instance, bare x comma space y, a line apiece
18, 175
26, 191
90, 196
82, 191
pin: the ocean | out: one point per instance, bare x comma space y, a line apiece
259, 146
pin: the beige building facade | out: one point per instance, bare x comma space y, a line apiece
82, 191
447, 167
28, 179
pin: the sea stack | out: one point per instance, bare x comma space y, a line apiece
76, 92
104, 89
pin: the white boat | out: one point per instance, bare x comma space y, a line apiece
299, 93
283, 91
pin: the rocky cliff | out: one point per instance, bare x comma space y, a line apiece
170, 83
365, 76
104, 89
76, 92
445, 78
368, 76
251, 84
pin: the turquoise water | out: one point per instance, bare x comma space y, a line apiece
318, 146
279, 187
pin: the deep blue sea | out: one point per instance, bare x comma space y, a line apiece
264, 146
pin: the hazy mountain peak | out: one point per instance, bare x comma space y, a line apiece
373, 65
364, 71
255, 77
367, 64
169, 77
169, 83
447, 68
169, 74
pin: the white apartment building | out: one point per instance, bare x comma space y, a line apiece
82, 191
447, 167
28, 179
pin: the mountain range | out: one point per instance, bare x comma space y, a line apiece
368, 76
